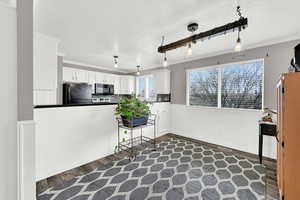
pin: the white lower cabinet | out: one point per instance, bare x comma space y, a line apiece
163, 118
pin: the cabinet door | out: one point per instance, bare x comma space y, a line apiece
45, 63
131, 85
127, 84
122, 85
81, 76
109, 79
68, 74
116, 84
44, 97
91, 77
162, 81
100, 78
164, 122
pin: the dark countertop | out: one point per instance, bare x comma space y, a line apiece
86, 104
74, 105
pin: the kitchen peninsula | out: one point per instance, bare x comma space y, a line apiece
72, 135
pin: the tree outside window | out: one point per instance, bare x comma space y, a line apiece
231, 86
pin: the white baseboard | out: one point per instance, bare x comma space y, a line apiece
26, 160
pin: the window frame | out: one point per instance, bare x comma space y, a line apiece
146, 77
220, 68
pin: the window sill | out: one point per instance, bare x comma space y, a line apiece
192, 107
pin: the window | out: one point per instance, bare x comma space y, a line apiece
231, 86
204, 87
141, 87
152, 94
145, 87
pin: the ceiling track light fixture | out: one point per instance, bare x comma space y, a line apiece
116, 61
238, 25
138, 72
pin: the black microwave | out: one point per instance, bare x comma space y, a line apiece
104, 89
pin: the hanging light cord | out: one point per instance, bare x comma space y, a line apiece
239, 12
162, 43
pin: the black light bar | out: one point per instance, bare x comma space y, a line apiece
240, 24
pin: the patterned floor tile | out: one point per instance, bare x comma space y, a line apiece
178, 170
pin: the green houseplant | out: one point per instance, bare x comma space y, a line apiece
133, 111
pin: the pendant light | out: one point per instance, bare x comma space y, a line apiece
165, 62
138, 70
116, 61
189, 49
238, 45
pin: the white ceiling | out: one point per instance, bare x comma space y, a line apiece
92, 31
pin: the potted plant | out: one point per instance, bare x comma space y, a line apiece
133, 112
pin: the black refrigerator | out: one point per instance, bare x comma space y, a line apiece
77, 93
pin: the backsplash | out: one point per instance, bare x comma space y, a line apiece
116, 98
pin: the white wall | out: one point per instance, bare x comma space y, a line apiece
8, 103
237, 129
68, 137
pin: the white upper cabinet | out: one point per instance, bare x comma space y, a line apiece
45, 62
127, 85
75, 75
100, 78
122, 84
117, 84
162, 81
105, 78
68, 74
91, 77
45, 69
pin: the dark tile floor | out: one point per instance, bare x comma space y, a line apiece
181, 168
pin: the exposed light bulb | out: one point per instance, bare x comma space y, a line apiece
116, 61
238, 46
165, 62
190, 50
138, 70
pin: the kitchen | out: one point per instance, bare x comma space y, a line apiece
215, 83
82, 120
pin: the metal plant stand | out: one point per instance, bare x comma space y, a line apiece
131, 145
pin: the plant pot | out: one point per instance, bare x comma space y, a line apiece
135, 121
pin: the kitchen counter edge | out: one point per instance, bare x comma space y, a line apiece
88, 104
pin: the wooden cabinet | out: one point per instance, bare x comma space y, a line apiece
288, 153
162, 81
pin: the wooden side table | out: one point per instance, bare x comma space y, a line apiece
265, 128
